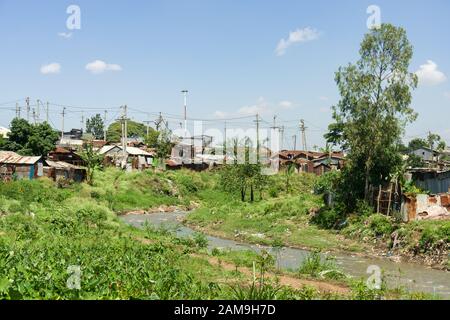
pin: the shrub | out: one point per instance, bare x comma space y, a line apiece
317, 266
381, 225
328, 217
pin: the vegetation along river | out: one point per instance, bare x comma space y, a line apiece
413, 277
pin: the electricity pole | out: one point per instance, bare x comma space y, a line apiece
257, 138
104, 126
303, 132
62, 127
46, 116
123, 121
28, 109
82, 121
17, 111
225, 143
38, 110
295, 141
185, 92
282, 137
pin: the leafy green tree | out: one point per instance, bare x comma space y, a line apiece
28, 139
42, 139
95, 126
245, 178
163, 144
134, 129
93, 161
20, 133
417, 143
374, 108
151, 139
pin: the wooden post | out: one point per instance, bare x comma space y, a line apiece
379, 198
390, 199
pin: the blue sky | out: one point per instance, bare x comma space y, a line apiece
223, 52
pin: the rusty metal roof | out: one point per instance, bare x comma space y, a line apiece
9, 157
61, 165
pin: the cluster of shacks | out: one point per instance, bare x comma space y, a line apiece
308, 161
16, 167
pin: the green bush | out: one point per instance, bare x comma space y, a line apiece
381, 225
328, 217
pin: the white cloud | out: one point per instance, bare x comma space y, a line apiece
65, 35
429, 74
51, 68
261, 107
297, 36
447, 94
286, 104
323, 98
220, 114
99, 66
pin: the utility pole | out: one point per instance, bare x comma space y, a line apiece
185, 92
27, 100
82, 121
104, 126
159, 121
46, 113
62, 127
257, 138
17, 111
295, 141
225, 143
34, 115
38, 111
123, 121
303, 132
282, 137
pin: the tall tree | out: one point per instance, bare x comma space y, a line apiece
375, 107
95, 126
42, 139
135, 129
31, 140
21, 131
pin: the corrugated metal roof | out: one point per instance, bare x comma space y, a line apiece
130, 150
9, 157
61, 165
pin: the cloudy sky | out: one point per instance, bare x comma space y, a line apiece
236, 58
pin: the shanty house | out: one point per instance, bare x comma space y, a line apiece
65, 155
426, 154
63, 170
135, 158
15, 166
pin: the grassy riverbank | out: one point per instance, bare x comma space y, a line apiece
50, 236
48, 233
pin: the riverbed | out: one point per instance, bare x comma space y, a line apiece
413, 277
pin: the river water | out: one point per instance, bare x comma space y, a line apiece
413, 277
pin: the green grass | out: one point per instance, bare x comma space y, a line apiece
285, 217
44, 230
